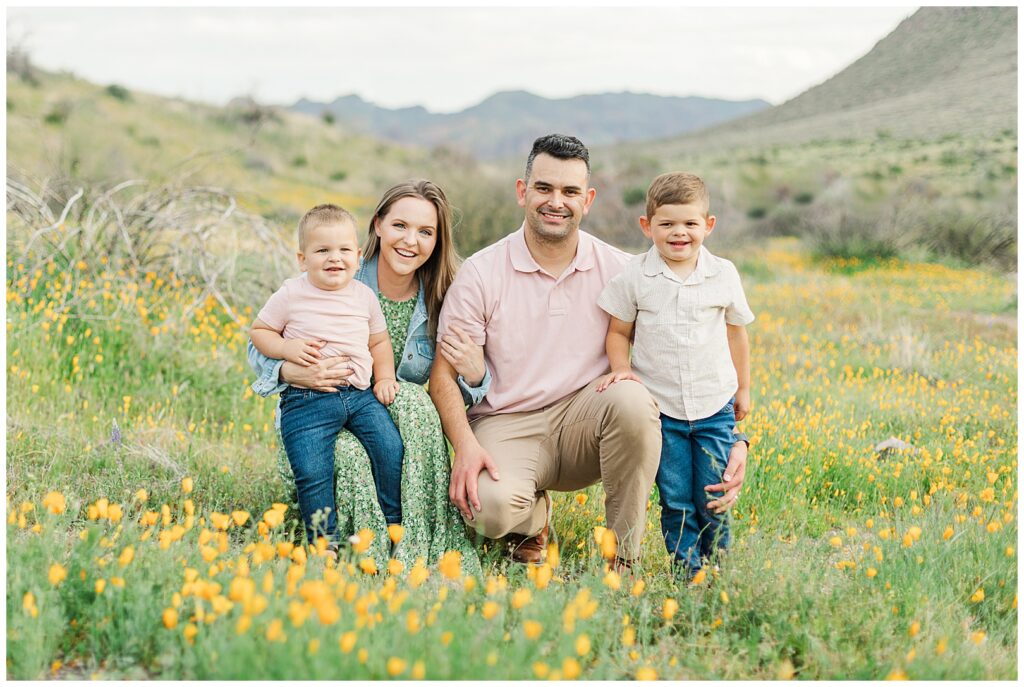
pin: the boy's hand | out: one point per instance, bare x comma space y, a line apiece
385, 390
742, 404
615, 376
302, 351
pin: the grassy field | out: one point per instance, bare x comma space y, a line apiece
143, 540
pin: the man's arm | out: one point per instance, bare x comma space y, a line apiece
732, 478
470, 458
739, 349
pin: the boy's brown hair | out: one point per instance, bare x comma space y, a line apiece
677, 188
326, 213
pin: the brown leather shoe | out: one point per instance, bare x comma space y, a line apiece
533, 549
623, 566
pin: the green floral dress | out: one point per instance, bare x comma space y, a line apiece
432, 524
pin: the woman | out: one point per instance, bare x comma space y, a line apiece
409, 260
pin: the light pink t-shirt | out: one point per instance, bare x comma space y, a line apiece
345, 319
543, 337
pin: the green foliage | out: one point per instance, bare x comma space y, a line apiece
339, 175
119, 92
299, 161
819, 583
634, 195
757, 213
59, 113
803, 198
327, 117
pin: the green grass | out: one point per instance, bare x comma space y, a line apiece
842, 358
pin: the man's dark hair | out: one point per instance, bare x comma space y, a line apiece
559, 146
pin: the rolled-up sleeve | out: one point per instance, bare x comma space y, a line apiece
268, 371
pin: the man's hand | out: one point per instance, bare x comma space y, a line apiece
302, 351
741, 406
615, 376
326, 375
464, 355
385, 390
470, 460
732, 480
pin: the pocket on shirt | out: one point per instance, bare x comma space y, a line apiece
417, 368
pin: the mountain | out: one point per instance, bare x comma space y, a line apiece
506, 123
942, 70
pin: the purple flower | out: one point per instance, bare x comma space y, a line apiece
115, 433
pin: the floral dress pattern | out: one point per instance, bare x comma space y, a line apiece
432, 524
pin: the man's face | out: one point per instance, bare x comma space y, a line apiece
556, 197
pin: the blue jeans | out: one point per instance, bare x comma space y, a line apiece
693, 456
310, 423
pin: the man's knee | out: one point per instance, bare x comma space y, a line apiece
502, 507
631, 405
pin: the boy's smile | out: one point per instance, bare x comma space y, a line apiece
678, 232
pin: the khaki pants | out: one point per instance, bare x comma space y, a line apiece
612, 437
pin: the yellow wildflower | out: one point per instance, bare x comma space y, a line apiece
54, 502
57, 574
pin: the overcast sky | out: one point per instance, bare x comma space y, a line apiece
450, 58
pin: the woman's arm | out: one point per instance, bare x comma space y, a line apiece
273, 376
467, 359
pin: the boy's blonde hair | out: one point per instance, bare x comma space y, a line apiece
678, 188
326, 213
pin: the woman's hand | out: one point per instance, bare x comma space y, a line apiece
462, 354
326, 375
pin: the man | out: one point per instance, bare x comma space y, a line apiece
531, 301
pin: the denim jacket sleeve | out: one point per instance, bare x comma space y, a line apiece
267, 371
474, 394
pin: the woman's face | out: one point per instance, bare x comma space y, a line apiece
408, 234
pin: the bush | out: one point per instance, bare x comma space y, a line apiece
634, 196
299, 161
757, 213
803, 198
59, 114
339, 175
119, 92
838, 232
328, 117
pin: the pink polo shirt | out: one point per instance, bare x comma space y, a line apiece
543, 336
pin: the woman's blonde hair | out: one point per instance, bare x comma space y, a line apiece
438, 271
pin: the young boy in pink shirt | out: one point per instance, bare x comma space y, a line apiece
323, 313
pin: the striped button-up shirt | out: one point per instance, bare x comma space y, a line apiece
681, 346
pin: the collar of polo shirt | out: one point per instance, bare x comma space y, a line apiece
522, 261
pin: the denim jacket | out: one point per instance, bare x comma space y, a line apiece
417, 355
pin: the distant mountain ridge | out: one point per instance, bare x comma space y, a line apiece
507, 122
942, 70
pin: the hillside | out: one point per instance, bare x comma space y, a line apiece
507, 123
276, 162
942, 70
